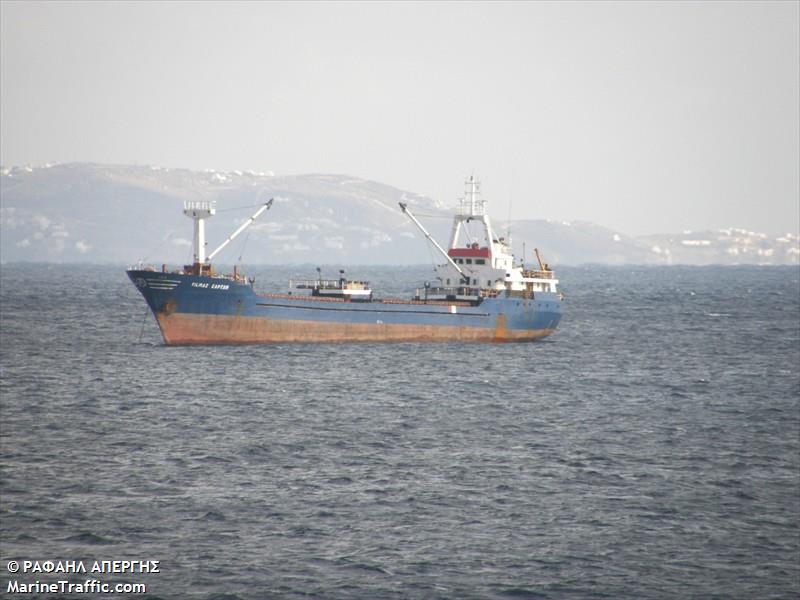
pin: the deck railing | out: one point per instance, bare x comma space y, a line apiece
532, 274
328, 284
426, 292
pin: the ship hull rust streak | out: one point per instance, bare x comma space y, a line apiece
197, 329
196, 310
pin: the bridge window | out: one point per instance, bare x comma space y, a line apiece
469, 261
480, 261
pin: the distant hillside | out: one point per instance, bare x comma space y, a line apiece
100, 213
122, 214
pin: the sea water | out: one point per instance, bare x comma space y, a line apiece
649, 449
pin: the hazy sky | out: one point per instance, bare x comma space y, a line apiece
645, 117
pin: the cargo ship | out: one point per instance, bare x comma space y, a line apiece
480, 294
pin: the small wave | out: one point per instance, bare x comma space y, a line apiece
340, 481
209, 458
362, 566
744, 495
516, 592
87, 537
303, 531
212, 515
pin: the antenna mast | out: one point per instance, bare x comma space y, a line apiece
473, 205
473, 208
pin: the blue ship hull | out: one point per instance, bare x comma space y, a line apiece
200, 309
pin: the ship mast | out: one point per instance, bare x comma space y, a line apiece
473, 208
199, 210
472, 190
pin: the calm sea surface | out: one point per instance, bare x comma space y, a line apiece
649, 449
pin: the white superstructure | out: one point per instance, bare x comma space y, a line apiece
480, 260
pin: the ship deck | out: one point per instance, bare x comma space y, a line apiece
308, 298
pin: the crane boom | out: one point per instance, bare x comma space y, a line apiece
243, 226
538, 259
433, 241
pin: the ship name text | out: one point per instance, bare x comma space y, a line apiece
212, 286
